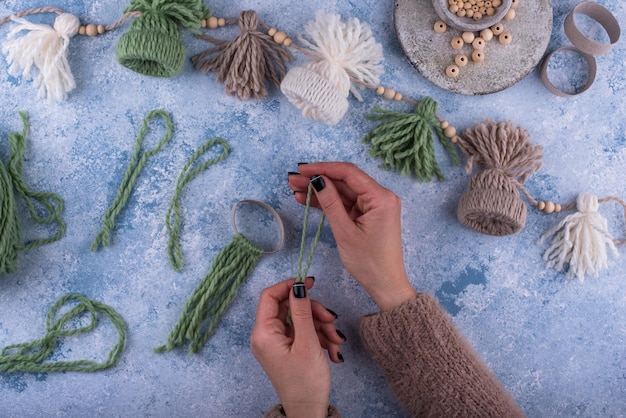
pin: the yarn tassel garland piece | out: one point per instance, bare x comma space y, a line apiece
173, 217
405, 141
138, 161
211, 298
245, 63
30, 357
505, 158
43, 48
12, 182
153, 45
580, 241
341, 53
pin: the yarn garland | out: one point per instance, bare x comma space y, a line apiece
173, 218
138, 161
212, 297
405, 141
11, 179
505, 158
153, 45
43, 48
580, 241
245, 63
31, 356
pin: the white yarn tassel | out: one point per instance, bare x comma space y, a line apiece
343, 50
580, 241
45, 48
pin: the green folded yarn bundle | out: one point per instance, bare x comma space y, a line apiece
153, 45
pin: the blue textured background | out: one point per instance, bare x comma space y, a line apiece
557, 345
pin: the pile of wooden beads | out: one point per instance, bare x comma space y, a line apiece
475, 9
477, 41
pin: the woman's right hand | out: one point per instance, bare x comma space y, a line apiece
365, 220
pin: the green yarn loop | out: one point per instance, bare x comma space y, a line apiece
153, 45
31, 356
130, 177
11, 180
173, 225
211, 298
302, 272
405, 141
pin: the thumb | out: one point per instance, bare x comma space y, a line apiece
302, 316
331, 203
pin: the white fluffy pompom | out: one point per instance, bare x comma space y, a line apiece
580, 241
45, 48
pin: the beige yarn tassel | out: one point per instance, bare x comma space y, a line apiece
246, 62
579, 242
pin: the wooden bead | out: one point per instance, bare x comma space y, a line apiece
460, 60
457, 43
453, 9
203, 23
454, 139
287, 42
477, 16
478, 55
505, 38
444, 124
82, 30
496, 3
452, 71
389, 94
440, 26
221, 22
479, 43
279, 37
541, 205
91, 30
101, 29
514, 4
461, 13
510, 15
468, 37
380, 90
469, 13
490, 11
486, 34
557, 208
449, 132
497, 29
549, 207
212, 22
397, 97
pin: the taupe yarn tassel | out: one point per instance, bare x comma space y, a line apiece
505, 158
246, 62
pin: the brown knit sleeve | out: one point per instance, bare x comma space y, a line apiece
431, 368
277, 411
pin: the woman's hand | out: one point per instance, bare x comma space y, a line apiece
365, 220
292, 355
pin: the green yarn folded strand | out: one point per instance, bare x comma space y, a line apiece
211, 298
31, 356
130, 177
153, 45
172, 219
11, 180
302, 272
404, 141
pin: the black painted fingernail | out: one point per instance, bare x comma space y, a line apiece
318, 183
292, 173
340, 357
302, 163
343, 337
299, 290
332, 313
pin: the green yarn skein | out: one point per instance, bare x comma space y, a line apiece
405, 141
153, 45
10, 180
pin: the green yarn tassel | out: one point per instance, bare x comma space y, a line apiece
11, 180
31, 356
173, 225
153, 45
405, 141
132, 172
211, 298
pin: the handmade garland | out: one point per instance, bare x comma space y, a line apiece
211, 298
10, 180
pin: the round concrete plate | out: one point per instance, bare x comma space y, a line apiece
504, 65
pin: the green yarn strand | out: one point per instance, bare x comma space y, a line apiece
405, 141
186, 13
173, 217
31, 356
11, 182
211, 298
138, 161
301, 273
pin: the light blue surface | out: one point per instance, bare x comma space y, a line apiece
557, 345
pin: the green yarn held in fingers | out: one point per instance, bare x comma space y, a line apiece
153, 45
404, 141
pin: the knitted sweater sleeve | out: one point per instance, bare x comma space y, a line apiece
431, 368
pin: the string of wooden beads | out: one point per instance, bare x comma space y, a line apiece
91, 29
549, 207
213, 22
280, 37
388, 93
